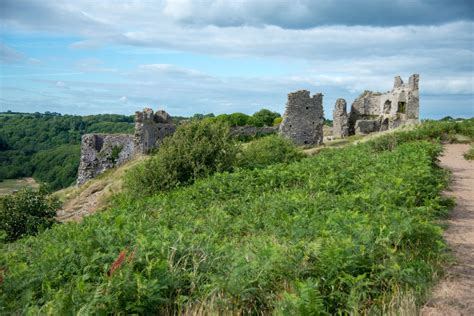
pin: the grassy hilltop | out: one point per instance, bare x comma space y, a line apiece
349, 230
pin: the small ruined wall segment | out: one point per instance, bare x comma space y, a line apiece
100, 152
304, 118
389, 110
151, 128
340, 119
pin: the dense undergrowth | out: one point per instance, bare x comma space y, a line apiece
340, 232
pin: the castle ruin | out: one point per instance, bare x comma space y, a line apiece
375, 111
304, 118
151, 128
340, 119
100, 152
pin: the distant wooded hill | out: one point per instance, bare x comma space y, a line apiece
47, 146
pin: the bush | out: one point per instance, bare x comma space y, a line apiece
26, 213
266, 151
196, 150
470, 154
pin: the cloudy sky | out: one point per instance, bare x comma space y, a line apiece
222, 56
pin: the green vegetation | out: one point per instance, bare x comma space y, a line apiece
470, 154
261, 118
26, 213
341, 232
195, 150
47, 146
269, 150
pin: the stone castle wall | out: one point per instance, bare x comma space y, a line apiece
304, 118
340, 127
382, 111
151, 128
100, 152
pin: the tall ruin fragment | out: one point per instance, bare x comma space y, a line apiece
340, 125
375, 111
304, 118
151, 128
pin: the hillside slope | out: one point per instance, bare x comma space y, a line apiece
304, 236
93, 195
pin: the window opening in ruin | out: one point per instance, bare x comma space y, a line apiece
387, 107
402, 107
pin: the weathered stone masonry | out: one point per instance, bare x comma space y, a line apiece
151, 128
100, 152
304, 118
340, 119
375, 111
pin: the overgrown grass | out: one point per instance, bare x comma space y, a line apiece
341, 232
470, 154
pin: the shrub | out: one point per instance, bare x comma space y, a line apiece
266, 151
277, 121
470, 154
26, 213
196, 150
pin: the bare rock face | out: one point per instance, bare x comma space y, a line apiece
304, 118
151, 128
391, 109
340, 119
100, 152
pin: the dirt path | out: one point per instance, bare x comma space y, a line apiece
454, 295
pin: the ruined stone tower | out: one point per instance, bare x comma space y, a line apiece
375, 111
340, 125
151, 128
304, 118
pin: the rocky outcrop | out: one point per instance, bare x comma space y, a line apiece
397, 107
304, 118
100, 152
340, 118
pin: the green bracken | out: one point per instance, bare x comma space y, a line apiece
338, 233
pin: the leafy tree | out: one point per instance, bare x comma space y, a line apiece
26, 213
264, 117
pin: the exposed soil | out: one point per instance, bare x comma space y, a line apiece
454, 295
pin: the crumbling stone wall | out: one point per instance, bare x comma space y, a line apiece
388, 110
151, 128
100, 152
340, 125
304, 118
